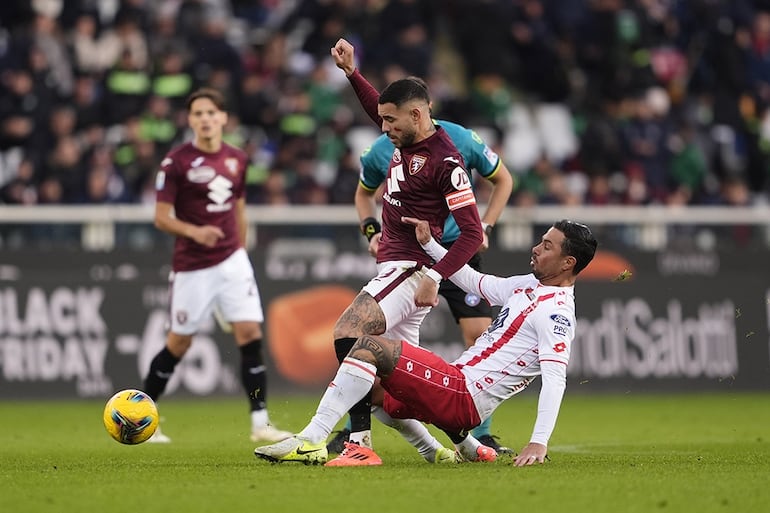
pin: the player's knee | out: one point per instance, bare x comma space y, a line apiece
178, 344
245, 332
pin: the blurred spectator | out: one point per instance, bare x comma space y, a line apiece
66, 166
171, 79
214, 53
343, 189
21, 189
23, 107
127, 88
47, 39
103, 183
645, 136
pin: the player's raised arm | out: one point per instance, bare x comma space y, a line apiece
344, 57
343, 54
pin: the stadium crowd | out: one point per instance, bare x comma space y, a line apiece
588, 101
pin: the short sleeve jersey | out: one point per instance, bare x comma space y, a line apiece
476, 154
203, 188
426, 180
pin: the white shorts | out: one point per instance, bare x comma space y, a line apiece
393, 288
229, 286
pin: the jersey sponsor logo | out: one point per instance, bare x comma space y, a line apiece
460, 179
460, 199
560, 319
181, 316
453, 160
491, 156
232, 165
499, 320
220, 191
417, 162
197, 162
201, 174
396, 156
160, 180
393, 201
560, 347
166, 162
560, 330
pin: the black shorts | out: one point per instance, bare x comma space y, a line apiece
462, 304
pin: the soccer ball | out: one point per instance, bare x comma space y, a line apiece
130, 417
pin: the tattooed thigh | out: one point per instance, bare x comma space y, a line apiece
381, 352
363, 317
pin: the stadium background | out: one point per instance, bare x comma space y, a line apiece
655, 108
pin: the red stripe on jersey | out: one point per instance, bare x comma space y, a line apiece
354, 363
555, 361
460, 199
484, 296
510, 332
395, 283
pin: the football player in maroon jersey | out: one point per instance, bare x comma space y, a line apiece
200, 200
426, 179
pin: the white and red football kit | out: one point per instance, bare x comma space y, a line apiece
531, 336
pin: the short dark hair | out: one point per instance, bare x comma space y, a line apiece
404, 90
419, 81
215, 96
578, 242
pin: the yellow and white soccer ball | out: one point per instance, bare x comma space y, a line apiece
130, 417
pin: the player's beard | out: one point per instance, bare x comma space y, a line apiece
407, 139
536, 272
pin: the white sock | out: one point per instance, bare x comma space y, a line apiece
353, 380
467, 448
259, 419
413, 432
362, 438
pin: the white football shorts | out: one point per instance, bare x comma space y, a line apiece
229, 286
393, 288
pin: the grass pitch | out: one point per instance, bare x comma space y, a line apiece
625, 453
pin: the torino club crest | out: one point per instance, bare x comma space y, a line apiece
416, 164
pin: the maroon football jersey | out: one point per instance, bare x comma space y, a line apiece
426, 180
204, 188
